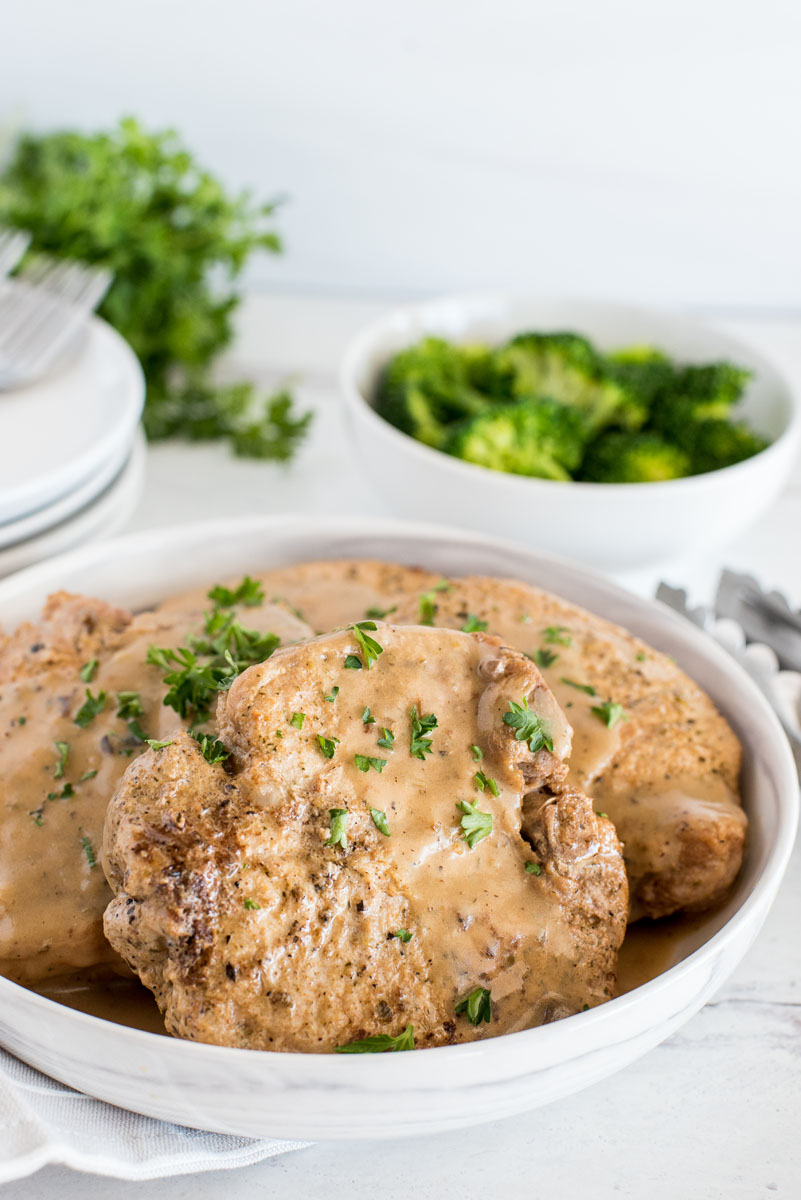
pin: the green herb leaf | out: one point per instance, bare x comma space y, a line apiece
402, 935
602, 814
88, 850
367, 718
609, 712
544, 658
580, 687
533, 868
380, 821
212, 750
426, 609
250, 904
65, 793
339, 828
333, 696
353, 662
369, 646
87, 775
63, 751
388, 740
327, 745
297, 720
91, 707
378, 614
420, 744
88, 670
482, 781
558, 635
478, 753
154, 745
37, 814
476, 1006
129, 706
475, 824
474, 624
364, 763
641, 656
249, 592
380, 1043
528, 726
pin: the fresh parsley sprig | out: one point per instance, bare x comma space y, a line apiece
379, 1043
476, 1006
610, 712
528, 726
249, 592
420, 744
370, 648
476, 825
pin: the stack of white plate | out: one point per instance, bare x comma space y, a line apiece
71, 451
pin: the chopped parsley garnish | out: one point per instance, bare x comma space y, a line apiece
154, 745
388, 740
327, 745
339, 828
192, 685
65, 793
525, 619
378, 614
225, 637
558, 635
380, 1043
602, 814
476, 825
91, 707
544, 658
22, 720
37, 814
474, 624
249, 592
333, 696
482, 781
63, 751
533, 868
426, 609
367, 717
421, 744
402, 935
580, 687
211, 748
88, 670
353, 662
609, 712
369, 646
364, 763
528, 726
380, 821
129, 706
297, 720
641, 657
87, 775
88, 851
476, 1006
250, 904
477, 752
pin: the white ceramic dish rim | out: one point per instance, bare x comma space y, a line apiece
32, 497
335, 1070
359, 345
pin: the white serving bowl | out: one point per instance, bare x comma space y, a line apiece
394, 1095
612, 526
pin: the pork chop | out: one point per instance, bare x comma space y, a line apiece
361, 863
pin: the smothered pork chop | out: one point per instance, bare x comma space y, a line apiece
78, 699
383, 846
648, 745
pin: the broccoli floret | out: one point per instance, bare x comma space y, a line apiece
697, 393
567, 368
532, 437
432, 383
618, 457
716, 444
643, 371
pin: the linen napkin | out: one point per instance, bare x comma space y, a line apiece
42, 1122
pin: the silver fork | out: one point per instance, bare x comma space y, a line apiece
42, 308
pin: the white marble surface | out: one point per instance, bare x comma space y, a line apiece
712, 1114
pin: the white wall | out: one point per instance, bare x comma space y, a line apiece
642, 148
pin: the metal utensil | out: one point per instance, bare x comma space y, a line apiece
42, 309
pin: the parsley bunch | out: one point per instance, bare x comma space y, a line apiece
176, 240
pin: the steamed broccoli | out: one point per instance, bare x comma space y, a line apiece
697, 393
643, 371
633, 458
433, 383
716, 444
567, 368
532, 437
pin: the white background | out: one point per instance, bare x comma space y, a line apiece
646, 149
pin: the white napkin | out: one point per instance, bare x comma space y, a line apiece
42, 1122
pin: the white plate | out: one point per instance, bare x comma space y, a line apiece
320, 1097
106, 515
59, 432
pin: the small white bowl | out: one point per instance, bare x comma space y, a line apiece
613, 526
328, 1096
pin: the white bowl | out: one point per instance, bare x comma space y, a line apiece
393, 1095
612, 526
